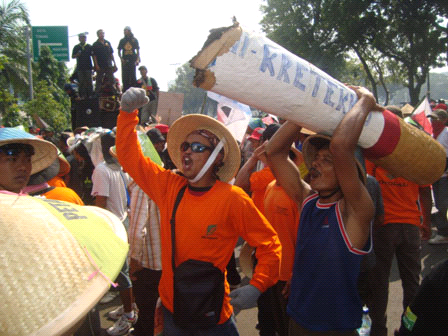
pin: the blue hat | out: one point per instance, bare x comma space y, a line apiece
44, 151
256, 122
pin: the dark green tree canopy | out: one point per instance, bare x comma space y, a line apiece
388, 36
13, 20
304, 28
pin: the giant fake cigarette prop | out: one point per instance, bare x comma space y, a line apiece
255, 71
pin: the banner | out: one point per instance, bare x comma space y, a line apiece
233, 114
420, 115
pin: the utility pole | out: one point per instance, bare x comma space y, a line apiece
28, 55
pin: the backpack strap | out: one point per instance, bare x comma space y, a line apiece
180, 194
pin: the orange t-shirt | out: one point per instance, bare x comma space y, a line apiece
400, 197
64, 194
57, 181
259, 180
283, 214
207, 226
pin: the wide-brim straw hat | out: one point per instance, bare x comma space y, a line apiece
58, 261
44, 151
183, 126
313, 143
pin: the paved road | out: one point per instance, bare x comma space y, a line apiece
246, 320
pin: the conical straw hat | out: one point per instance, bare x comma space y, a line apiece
57, 262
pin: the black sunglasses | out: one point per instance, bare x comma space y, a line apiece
196, 147
15, 149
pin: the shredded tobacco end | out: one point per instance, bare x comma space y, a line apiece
205, 79
218, 42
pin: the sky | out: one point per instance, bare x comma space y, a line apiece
170, 32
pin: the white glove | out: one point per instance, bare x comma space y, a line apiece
133, 99
244, 298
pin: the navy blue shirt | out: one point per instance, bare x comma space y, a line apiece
324, 294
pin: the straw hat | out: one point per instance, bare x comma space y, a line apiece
407, 110
44, 151
183, 126
57, 256
313, 143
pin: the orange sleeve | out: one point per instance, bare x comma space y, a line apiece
253, 227
258, 182
152, 178
283, 214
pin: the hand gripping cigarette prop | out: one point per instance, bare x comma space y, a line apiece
255, 71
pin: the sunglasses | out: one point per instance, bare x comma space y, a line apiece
16, 149
196, 147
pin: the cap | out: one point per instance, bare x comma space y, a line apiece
440, 106
162, 128
438, 114
127, 28
256, 122
155, 135
256, 134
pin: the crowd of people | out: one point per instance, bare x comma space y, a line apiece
97, 62
324, 222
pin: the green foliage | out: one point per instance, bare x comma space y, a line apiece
47, 108
53, 72
392, 39
13, 20
409, 33
193, 96
13, 17
53, 75
304, 28
11, 115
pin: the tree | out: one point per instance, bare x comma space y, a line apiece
55, 75
13, 74
410, 33
391, 38
53, 72
193, 97
46, 107
10, 113
304, 28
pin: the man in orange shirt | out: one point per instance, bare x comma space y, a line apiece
404, 204
210, 216
283, 214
